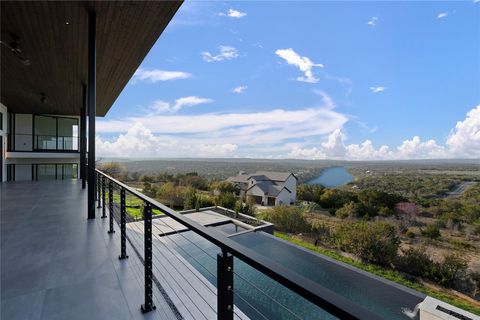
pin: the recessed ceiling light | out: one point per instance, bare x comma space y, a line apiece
67, 22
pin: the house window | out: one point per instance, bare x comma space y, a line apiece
55, 133
1, 121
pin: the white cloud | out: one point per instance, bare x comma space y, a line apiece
373, 21
141, 142
226, 53
303, 63
377, 89
156, 75
160, 106
464, 139
259, 133
442, 15
239, 89
463, 142
234, 14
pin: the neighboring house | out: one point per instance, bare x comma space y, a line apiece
38, 146
266, 187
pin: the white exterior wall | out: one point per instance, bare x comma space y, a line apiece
291, 184
3, 133
283, 198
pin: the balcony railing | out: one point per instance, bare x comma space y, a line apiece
42, 143
146, 239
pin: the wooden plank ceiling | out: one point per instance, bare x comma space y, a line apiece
53, 38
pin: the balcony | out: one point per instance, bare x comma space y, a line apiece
56, 264
42, 143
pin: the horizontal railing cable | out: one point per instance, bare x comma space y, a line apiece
266, 295
172, 278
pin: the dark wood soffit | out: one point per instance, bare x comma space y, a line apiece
126, 31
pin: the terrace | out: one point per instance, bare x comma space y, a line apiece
69, 248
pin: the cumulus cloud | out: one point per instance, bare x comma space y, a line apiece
442, 15
234, 14
303, 63
160, 106
464, 139
373, 21
239, 89
155, 75
463, 142
377, 89
225, 53
141, 142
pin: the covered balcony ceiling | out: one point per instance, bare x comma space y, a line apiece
50, 44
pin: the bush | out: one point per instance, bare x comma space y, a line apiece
410, 234
417, 262
431, 231
287, 219
375, 242
226, 200
348, 210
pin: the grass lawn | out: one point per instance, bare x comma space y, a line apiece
133, 205
389, 274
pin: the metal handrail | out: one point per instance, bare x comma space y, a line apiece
324, 298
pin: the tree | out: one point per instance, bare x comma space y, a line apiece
149, 190
222, 187
190, 198
167, 192
114, 169
375, 242
226, 200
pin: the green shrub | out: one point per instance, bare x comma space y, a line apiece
287, 219
410, 234
348, 210
431, 231
417, 262
375, 242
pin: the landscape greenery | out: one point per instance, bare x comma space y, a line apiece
414, 223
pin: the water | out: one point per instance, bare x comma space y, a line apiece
385, 300
332, 177
229, 228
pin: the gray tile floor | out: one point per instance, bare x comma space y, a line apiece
56, 264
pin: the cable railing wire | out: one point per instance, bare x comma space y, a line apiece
172, 278
266, 295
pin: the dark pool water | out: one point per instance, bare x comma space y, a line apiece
262, 298
332, 177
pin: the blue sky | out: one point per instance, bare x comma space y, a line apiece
340, 80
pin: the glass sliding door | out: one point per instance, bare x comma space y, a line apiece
45, 133
67, 134
55, 171
55, 133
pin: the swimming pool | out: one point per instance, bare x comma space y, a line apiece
375, 294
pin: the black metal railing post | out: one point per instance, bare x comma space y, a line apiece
98, 190
123, 225
104, 214
147, 225
224, 286
110, 206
